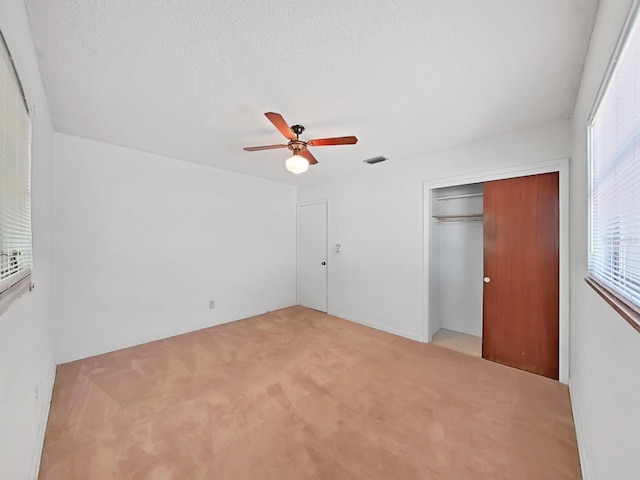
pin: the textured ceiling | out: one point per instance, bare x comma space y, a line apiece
191, 79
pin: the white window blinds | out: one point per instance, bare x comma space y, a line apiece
614, 250
15, 163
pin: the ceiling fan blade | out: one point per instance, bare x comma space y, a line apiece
264, 147
321, 142
310, 158
280, 124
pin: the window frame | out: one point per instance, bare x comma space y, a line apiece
629, 311
22, 282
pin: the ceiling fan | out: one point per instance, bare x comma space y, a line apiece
302, 157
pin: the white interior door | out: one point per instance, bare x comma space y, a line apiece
312, 256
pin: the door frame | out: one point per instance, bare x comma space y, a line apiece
305, 204
560, 165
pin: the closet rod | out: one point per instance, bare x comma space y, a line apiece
466, 195
465, 216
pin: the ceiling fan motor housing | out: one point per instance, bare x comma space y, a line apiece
296, 146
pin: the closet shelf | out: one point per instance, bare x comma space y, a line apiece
464, 216
465, 195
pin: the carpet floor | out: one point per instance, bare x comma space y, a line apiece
297, 394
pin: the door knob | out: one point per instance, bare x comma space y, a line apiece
324, 263
486, 279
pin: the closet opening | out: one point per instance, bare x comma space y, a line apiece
457, 268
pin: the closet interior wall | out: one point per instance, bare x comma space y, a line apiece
457, 259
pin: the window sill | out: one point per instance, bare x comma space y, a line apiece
14, 291
629, 314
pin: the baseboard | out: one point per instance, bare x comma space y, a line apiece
377, 326
580, 437
42, 428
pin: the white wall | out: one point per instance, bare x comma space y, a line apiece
433, 307
26, 359
461, 267
143, 242
605, 383
377, 218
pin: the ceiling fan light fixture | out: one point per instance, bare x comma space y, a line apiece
297, 164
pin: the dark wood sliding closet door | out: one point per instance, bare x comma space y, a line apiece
521, 268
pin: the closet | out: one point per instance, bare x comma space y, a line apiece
494, 271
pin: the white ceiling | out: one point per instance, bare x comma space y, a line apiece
191, 79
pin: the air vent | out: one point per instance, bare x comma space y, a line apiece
374, 160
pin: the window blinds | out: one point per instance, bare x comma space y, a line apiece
614, 250
15, 201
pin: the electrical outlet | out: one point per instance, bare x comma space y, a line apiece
212, 304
